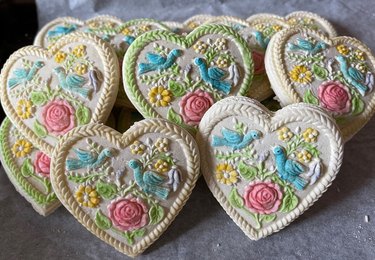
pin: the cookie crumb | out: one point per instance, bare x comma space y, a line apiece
217, 245
367, 219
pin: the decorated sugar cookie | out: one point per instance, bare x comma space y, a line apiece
177, 28
196, 20
335, 73
126, 189
265, 168
27, 168
178, 78
46, 93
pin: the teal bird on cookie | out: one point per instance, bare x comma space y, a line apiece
212, 76
88, 159
307, 46
159, 62
262, 41
148, 181
235, 139
72, 82
288, 169
61, 30
23, 75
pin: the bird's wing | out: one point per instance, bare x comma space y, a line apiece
304, 44
152, 178
293, 168
155, 58
20, 73
354, 73
231, 136
84, 155
75, 80
216, 73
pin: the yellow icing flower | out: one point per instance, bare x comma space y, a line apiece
60, 56
221, 44
145, 28
110, 25
161, 166
21, 148
226, 174
308, 20
192, 25
126, 31
87, 196
304, 156
292, 21
24, 108
361, 67
137, 147
93, 25
310, 135
300, 74
79, 51
284, 134
159, 96
200, 47
342, 49
222, 62
260, 27
162, 145
80, 69
277, 27
359, 54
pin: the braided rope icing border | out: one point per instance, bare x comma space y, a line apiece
241, 106
131, 57
43, 204
176, 133
109, 86
277, 62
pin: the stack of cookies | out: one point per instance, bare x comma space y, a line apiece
262, 107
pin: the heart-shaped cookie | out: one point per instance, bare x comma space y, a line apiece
179, 78
27, 168
46, 93
126, 189
267, 168
196, 21
334, 73
118, 33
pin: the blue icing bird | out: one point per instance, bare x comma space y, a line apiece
88, 159
128, 39
288, 169
212, 76
148, 181
307, 46
23, 75
72, 82
262, 41
159, 62
235, 139
352, 75
61, 30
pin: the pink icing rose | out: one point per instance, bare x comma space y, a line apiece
42, 163
258, 59
263, 197
58, 117
128, 214
335, 97
193, 106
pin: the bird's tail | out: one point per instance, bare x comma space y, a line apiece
299, 183
223, 86
84, 92
160, 192
12, 82
217, 141
293, 47
145, 67
74, 164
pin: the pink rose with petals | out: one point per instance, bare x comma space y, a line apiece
263, 197
42, 163
58, 117
128, 214
258, 59
193, 106
335, 97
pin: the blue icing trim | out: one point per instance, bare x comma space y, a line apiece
128, 39
23, 75
61, 30
72, 82
262, 41
235, 139
158, 62
307, 46
88, 159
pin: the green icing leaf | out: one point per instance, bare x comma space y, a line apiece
290, 201
102, 221
106, 190
39, 129
310, 98
129, 237
156, 214
138, 232
83, 114
320, 72
357, 106
38, 98
268, 218
174, 117
235, 199
27, 168
247, 172
176, 88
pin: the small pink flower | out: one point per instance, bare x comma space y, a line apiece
335, 97
263, 197
194, 105
58, 117
258, 59
128, 214
42, 163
